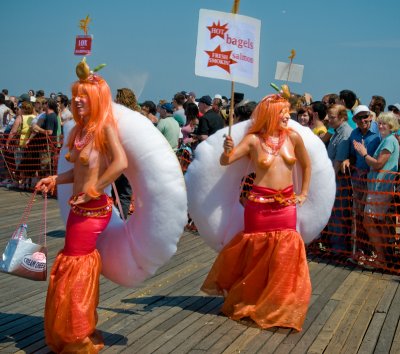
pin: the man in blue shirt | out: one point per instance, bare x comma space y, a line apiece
367, 131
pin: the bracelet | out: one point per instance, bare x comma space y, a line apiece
365, 156
92, 192
227, 154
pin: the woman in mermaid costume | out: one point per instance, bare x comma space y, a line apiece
98, 158
263, 272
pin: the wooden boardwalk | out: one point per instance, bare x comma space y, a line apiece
351, 311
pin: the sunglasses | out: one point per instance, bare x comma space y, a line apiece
361, 117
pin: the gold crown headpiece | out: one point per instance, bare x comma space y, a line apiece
274, 98
284, 91
86, 75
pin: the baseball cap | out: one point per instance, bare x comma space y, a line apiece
206, 100
169, 107
360, 109
25, 97
394, 106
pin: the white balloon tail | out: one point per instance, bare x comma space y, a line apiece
132, 254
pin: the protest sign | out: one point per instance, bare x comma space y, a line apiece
228, 47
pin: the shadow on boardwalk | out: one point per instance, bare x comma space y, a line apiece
351, 311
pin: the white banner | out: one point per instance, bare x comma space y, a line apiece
228, 47
289, 72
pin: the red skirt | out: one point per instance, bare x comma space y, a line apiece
73, 293
263, 271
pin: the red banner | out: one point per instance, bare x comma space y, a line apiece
83, 45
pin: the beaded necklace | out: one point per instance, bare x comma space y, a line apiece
272, 144
80, 143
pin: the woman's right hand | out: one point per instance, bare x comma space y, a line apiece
228, 144
46, 184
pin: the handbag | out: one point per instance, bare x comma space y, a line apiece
22, 257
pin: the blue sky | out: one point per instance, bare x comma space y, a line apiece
149, 46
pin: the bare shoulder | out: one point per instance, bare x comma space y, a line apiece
250, 139
110, 130
294, 136
74, 129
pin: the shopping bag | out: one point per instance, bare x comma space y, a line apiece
22, 257
25, 259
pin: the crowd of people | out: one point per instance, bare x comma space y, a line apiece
361, 141
31, 135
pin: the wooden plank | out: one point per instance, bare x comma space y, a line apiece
205, 324
308, 338
371, 337
155, 285
258, 341
136, 326
164, 310
239, 345
172, 326
175, 339
351, 288
169, 312
227, 338
390, 334
362, 322
336, 278
342, 332
276, 339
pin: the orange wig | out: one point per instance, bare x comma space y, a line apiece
101, 114
266, 116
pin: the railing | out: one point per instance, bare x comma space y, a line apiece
364, 227
23, 163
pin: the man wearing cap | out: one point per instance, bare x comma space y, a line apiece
24, 98
366, 131
217, 104
395, 108
168, 126
191, 97
210, 122
39, 93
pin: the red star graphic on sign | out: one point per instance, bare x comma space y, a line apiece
221, 59
217, 30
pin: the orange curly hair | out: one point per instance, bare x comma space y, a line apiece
101, 114
265, 116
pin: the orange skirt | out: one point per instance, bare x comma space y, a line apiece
72, 297
264, 277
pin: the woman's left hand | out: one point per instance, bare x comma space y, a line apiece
360, 147
80, 199
300, 199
